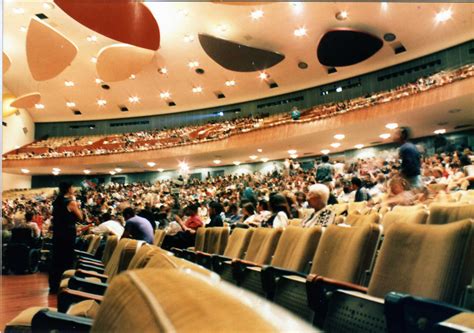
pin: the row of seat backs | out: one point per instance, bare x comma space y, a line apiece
122, 256
159, 237
211, 240
94, 242
110, 245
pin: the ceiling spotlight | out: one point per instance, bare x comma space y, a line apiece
292, 151
92, 38
391, 126
263, 76
325, 151
87, 171
443, 15
101, 102
163, 70
69, 83
183, 166
70, 104
342, 15
56, 169
151, 164
25, 171
359, 146
165, 95
23, 28
256, 14
48, 5
98, 81
384, 6
253, 157
221, 28
160, 170
338, 89
293, 156
112, 172
259, 150
217, 161
94, 60
236, 162
339, 136
296, 5
134, 99
39, 106
55, 173
132, 77
193, 64
440, 131
230, 83
335, 145
197, 89
118, 169
384, 136
264, 159
18, 10
300, 32
188, 38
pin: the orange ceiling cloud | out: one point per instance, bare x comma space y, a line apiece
6, 62
48, 52
126, 21
26, 101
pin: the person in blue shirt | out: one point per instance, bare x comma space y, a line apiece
137, 227
410, 159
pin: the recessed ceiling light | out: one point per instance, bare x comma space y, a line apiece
259, 150
342, 15
443, 15
300, 32
92, 38
48, 5
165, 95
264, 159
151, 164
57, 169
359, 146
253, 157
87, 171
160, 170
292, 151
188, 38
163, 70
183, 166
39, 106
118, 169
256, 14
339, 136
221, 28
112, 172
55, 173
294, 156
101, 102
217, 161
93, 60
230, 83
236, 162
98, 81
391, 125
70, 104
197, 89
25, 171
263, 76
183, 12
325, 151
89, 142
440, 131
297, 6
384, 6
134, 99
384, 136
69, 83
18, 10
338, 89
193, 64
132, 77
23, 28
335, 145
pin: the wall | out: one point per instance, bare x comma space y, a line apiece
13, 136
380, 80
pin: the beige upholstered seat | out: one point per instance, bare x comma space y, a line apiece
356, 206
356, 219
94, 244
22, 322
463, 320
408, 208
262, 245
416, 217
159, 237
441, 213
238, 242
200, 240
216, 240
339, 209
295, 222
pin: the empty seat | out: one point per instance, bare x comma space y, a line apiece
356, 219
416, 217
159, 237
354, 207
399, 208
441, 213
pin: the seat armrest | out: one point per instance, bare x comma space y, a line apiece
177, 252
406, 313
84, 254
271, 274
67, 297
83, 274
204, 259
46, 321
89, 261
319, 291
217, 260
91, 268
81, 284
239, 266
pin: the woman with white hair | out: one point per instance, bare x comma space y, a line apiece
318, 199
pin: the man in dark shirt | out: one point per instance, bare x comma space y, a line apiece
361, 193
324, 171
410, 159
137, 227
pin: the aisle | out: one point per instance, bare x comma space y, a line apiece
22, 291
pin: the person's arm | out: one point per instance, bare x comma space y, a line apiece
72, 207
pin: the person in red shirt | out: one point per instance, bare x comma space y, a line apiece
186, 237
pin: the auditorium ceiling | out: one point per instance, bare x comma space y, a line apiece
68, 62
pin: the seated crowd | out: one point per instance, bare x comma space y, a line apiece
173, 137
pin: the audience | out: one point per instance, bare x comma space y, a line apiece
137, 227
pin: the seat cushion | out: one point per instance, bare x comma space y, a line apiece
25, 317
68, 274
86, 309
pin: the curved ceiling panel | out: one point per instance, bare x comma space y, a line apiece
237, 57
238, 3
345, 47
6, 62
126, 21
26, 101
7, 110
48, 52
118, 62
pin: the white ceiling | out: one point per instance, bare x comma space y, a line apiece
413, 24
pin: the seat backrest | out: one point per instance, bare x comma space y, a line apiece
262, 245
356, 206
339, 208
399, 208
110, 245
433, 261
128, 253
140, 256
200, 240
154, 300
296, 247
345, 253
441, 213
94, 244
238, 243
356, 219
216, 240
295, 222
159, 237
416, 217
112, 265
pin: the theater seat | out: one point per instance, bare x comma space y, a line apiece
216, 242
236, 247
441, 213
416, 217
159, 237
22, 253
357, 219
94, 242
462, 322
199, 243
408, 209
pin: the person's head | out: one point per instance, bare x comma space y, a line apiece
215, 208
262, 205
192, 210
402, 134
278, 203
300, 197
65, 188
356, 183
325, 158
248, 209
128, 213
28, 216
398, 185
233, 209
105, 217
318, 196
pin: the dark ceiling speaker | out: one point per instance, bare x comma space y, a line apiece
346, 47
123, 108
302, 65
171, 104
105, 86
77, 112
237, 57
200, 71
389, 37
